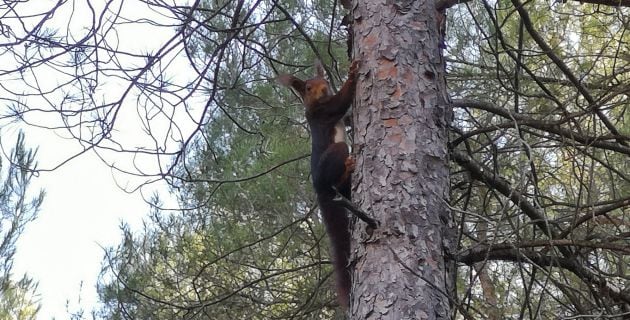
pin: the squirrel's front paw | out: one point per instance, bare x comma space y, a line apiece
354, 69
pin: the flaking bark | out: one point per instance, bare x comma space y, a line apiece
401, 117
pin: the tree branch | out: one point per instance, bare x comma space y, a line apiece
500, 184
445, 4
565, 70
600, 211
547, 126
484, 253
612, 3
553, 243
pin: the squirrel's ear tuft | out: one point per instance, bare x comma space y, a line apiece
285, 79
291, 82
319, 69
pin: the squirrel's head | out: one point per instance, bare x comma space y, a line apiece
311, 90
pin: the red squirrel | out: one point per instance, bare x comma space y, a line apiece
331, 164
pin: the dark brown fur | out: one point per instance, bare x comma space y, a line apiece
331, 164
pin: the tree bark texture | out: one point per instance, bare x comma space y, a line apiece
401, 115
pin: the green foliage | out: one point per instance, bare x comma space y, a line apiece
499, 61
18, 299
248, 243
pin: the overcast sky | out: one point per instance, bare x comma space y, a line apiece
84, 206
81, 214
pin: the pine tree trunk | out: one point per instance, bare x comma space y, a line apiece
401, 116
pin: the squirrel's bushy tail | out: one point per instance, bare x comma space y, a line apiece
337, 225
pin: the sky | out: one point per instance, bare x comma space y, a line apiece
80, 216
84, 206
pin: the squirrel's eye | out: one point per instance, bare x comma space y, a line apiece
308, 88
